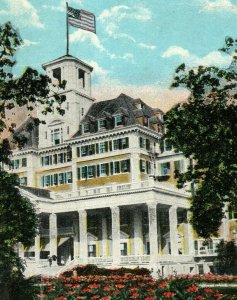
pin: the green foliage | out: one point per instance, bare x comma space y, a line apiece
28, 90
204, 129
226, 258
18, 220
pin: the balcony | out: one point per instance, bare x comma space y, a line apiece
114, 188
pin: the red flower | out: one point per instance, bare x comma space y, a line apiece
106, 298
150, 298
95, 297
116, 292
168, 294
162, 284
192, 288
107, 288
94, 286
208, 290
217, 296
133, 289
60, 298
149, 290
134, 295
199, 297
120, 285
80, 297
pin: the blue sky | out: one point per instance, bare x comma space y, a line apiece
138, 44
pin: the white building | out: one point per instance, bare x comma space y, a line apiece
104, 186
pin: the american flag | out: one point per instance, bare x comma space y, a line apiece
82, 19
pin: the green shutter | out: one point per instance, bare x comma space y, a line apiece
140, 141
140, 161
148, 146
78, 173
98, 170
127, 142
106, 146
128, 164
107, 169
97, 148
111, 168
110, 146
120, 144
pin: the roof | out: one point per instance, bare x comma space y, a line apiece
31, 135
35, 191
123, 105
66, 57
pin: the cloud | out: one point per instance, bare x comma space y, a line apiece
28, 43
214, 5
88, 37
98, 70
112, 18
23, 12
212, 58
153, 95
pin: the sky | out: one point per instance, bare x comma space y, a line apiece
138, 44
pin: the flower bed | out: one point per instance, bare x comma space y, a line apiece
127, 286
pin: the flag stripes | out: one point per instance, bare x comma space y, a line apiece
81, 19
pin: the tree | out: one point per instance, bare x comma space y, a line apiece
225, 262
18, 220
205, 130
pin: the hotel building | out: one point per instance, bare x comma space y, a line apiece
103, 184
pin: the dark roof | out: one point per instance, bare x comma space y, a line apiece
124, 105
31, 135
37, 192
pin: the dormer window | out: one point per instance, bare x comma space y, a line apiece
81, 77
118, 120
85, 127
57, 74
101, 124
57, 136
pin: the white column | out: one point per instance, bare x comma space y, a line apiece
153, 237
53, 234
104, 236
173, 230
138, 237
115, 234
188, 236
37, 249
83, 252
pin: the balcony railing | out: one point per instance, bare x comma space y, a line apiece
112, 188
62, 231
205, 252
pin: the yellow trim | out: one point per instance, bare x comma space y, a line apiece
97, 248
63, 187
120, 178
54, 171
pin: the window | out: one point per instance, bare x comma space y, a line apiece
57, 136
84, 150
167, 145
142, 142
116, 144
104, 169
232, 212
123, 249
24, 162
179, 165
165, 169
103, 147
91, 250
125, 166
116, 167
101, 123
23, 180
85, 127
57, 74
56, 179
81, 77
118, 120
142, 166
91, 171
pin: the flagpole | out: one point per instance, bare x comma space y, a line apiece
67, 50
